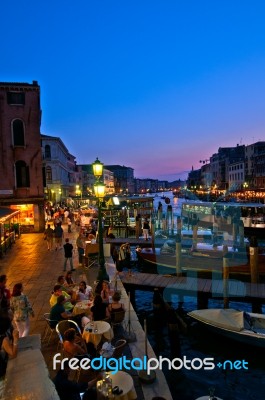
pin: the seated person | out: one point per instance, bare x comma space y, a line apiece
73, 344
69, 280
58, 313
92, 238
70, 390
99, 310
8, 346
84, 292
105, 292
116, 306
57, 291
65, 288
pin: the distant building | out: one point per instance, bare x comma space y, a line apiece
88, 179
236, 175
146, 185
194, 179
221, 162
123, 178
21, 183
255, 165
59, 169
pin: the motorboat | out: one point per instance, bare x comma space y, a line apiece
247, 328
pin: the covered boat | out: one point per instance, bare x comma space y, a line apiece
248, 328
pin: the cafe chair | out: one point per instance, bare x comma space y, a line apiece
119, 348
49, 330
91, 255
62, 326
117, 318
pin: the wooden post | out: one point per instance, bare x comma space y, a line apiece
226, 280
153, 225
179, 225
159, 215
225, 250
234, 230
178, 255
241, 235
254, 271
253, 253
194, 237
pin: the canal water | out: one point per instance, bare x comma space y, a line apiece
195, 342
192, 341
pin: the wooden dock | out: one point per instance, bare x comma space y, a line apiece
193, 286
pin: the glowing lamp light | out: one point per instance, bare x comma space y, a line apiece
99, 189
97, 168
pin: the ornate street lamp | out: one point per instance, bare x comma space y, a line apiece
99, 189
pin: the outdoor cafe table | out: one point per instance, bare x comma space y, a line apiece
94, 333
82, 307
125, 383
207, 398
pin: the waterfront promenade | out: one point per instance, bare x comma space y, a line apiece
31, 263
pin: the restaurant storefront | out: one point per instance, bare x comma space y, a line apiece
31, 219
9, 228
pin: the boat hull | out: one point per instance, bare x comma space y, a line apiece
252, 334
202, 261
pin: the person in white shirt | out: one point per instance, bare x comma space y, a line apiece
84, 292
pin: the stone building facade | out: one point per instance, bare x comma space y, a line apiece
21, 183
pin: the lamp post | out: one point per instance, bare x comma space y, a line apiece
99, 189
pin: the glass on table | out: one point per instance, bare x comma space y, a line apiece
99, 386
104, 388
110, 394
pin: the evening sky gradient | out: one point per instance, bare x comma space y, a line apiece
156, 85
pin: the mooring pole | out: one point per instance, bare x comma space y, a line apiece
226, 280
254, 271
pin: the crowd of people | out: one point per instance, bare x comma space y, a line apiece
15, 323
16, 309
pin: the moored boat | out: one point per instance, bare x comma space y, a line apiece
204, 260
248, 328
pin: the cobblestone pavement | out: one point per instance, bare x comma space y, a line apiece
30, 262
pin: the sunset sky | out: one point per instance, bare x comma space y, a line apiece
156, 85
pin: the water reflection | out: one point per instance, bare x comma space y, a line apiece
196, 342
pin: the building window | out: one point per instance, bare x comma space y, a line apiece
48, 174
22, 174
47, 151
18, 133
16, 98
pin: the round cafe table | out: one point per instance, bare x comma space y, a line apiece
125, 382
82, 307
93, 333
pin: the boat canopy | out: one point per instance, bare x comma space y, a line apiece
222, 318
